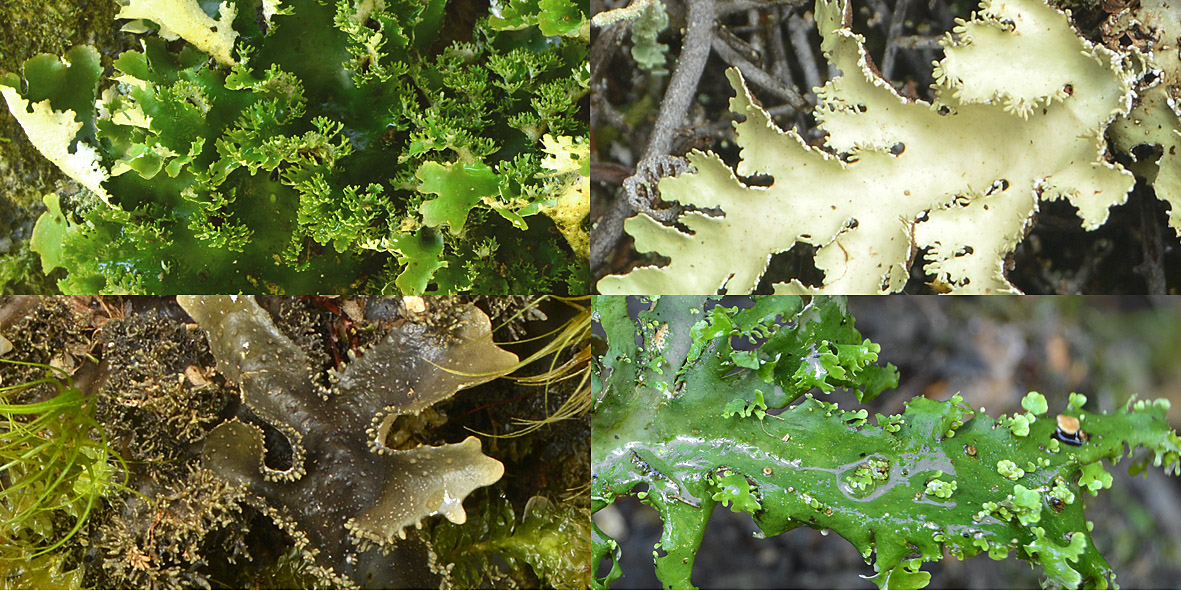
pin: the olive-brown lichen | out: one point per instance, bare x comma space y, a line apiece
344, 495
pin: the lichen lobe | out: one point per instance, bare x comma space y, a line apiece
345, 492
448, 474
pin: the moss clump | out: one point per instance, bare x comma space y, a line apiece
55, 462
540, 547
181, 534
50, 333
161, 398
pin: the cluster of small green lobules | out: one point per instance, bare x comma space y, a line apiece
327, 146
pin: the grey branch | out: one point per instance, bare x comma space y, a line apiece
683, 85
896, 21
918, 42
798, 29
678, 97
758, 76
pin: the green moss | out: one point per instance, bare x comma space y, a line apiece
538, 546
56, 461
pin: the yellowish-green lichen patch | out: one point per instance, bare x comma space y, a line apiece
58, 115
1020, 110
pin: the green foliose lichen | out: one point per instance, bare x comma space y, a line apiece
195, 511
1035, 403
938, 479
734, 492
327, 146
941, 489
1019, 425
649, 53
1094, 478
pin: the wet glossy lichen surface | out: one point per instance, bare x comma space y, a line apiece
346, 497
687, 417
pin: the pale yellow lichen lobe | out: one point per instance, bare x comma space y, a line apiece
52, 132
186, 20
